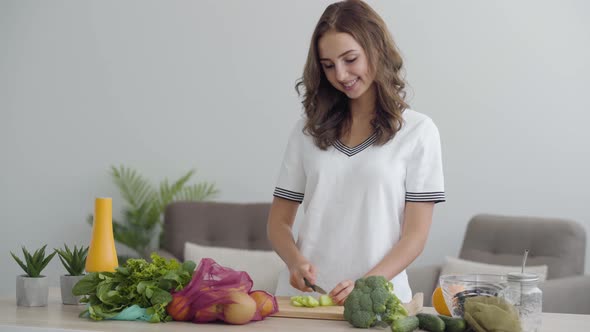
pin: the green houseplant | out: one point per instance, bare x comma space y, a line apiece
141, 227
32, 288
74, 261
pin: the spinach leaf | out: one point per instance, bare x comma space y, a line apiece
86, 285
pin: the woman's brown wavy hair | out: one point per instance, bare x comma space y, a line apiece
328, 116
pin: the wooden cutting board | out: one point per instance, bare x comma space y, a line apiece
332, 312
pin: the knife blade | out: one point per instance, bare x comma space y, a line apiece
315, 288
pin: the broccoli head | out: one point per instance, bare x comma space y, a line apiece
372, 301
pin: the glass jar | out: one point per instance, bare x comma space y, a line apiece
523, 292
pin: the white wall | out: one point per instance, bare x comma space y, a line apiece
165, 86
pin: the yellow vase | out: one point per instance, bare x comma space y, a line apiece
102, 256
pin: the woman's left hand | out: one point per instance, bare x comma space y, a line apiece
341, 291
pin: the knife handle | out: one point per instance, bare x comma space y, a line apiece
308, 284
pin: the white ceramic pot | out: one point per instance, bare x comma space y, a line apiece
67, 283
31, 292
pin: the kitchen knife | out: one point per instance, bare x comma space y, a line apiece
315, 288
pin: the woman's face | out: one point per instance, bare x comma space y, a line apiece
345, 63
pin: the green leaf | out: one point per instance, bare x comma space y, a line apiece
92, 312
160, 296
189, 266
197, 192
114, 298
155, 318
141, 287
167, 284
100, 312
130, 237
150, 311
65, 264
172, 275
93, 300
30, 264
102, 291
134, 188
167, 192
122, 270
104, 275
22, 265
84, 313
38, 255
46, 261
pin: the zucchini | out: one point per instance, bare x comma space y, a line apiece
431, 323
406, 324
454, 324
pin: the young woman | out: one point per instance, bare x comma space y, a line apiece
367, 168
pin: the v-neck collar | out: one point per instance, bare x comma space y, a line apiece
351, 151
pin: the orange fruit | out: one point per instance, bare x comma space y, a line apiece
208, 314
178, 308
265, 302
438, 302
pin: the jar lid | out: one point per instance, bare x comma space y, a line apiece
522, 277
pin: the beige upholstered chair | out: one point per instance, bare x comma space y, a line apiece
559, 244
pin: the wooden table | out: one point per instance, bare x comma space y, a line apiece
58, 317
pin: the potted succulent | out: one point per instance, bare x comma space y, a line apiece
74, 262
32, 288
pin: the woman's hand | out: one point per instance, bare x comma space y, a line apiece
341, 291
299, 270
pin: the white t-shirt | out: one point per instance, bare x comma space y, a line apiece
354, 198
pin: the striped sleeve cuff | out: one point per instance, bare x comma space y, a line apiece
433, 196
288, 194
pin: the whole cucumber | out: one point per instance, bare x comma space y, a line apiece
454, 324
406, 324
431, 323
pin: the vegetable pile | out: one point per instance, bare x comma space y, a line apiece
137, 282
372, 303
165, 290
220, 293
430, 323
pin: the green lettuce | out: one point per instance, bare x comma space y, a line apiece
136, 282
